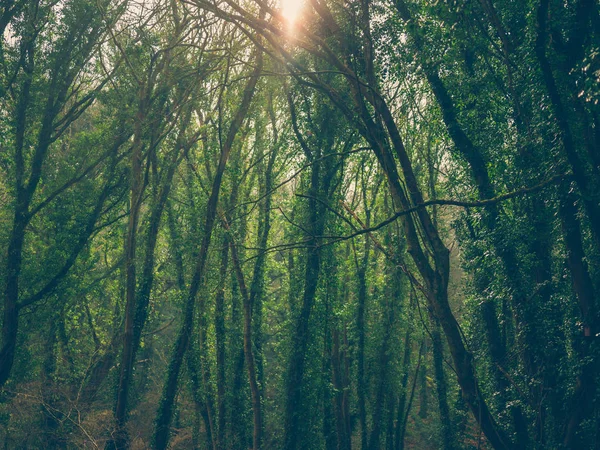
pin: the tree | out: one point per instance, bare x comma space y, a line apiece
165, 409
55, 88
241, 224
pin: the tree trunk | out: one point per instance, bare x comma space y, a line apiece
581, 404
342, 422
220, 344
406, 397
248, 352
120, 438
200, 395
319, 186
440, 381
165, 410
361, 385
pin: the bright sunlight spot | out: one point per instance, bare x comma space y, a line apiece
290, 9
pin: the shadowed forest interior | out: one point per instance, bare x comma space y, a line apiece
300, 224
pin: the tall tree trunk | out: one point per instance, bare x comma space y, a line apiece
121, 439
382, 385
393, 302
581, 404
441, 386
342, 423
407, 397
403, 388
249, 353
329, 418
220, 344
264, 227
49, 395
361, 386
319, 186
201, 359
253, 298
200, 394
237, 422
220, 329
297, 360
165, 410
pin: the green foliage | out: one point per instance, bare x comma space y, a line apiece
496, 109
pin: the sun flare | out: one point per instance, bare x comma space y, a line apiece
290, 9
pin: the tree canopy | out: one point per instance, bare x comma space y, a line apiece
300, 224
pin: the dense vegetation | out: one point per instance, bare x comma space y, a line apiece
358, 224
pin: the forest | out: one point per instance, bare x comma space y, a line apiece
300, 224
